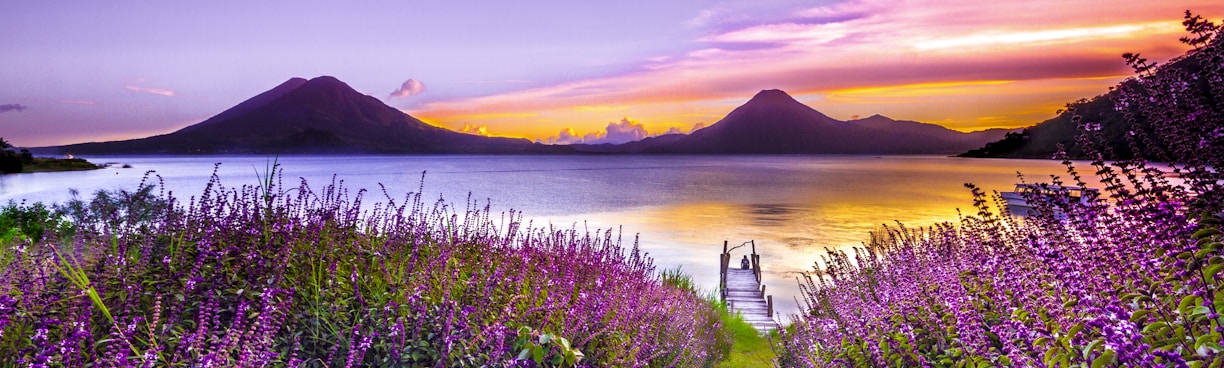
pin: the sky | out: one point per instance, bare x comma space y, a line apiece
569, 71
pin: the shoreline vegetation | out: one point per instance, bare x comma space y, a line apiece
51, 164
14, 162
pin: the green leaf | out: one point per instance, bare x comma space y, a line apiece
1206, 232
1074, 330
1200, 311
537, 354
1051, 357
1092, 346
1212, 270
1186, 303
1105, 359
1149, 329
1140, 315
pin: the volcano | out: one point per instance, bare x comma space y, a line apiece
773, 122
318, 116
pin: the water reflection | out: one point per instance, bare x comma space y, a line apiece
682, 207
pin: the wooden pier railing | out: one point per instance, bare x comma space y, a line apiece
742, 290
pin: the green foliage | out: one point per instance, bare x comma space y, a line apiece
748, 348
30, 223
545, 349
10, 162
117, 208
677, 278
48, 164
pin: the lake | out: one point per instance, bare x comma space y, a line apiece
682, 207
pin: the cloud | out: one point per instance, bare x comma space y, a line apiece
624, 131
566, 136
12, 107
857, 44
673, 130
151, 90
411, 87
697, 127
475, 130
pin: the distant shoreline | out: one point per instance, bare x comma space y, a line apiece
51, 164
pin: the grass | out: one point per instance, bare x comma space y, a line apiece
749, 348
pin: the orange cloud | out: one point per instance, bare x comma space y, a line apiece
950, 62
475, 130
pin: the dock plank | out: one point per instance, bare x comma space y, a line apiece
744, 296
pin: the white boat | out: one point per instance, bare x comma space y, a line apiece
1018, 203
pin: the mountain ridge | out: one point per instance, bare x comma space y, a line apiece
773, 122
324, 115
321, 115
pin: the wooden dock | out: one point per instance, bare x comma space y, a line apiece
742, 289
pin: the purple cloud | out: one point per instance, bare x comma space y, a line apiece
411, 87
624, 131
12, 107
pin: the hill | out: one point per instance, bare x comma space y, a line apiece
318, 116
1043, 140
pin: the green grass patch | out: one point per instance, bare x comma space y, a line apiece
749, 348
48, 164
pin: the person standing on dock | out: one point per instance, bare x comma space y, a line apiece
744, 263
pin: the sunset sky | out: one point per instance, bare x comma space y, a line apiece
75, 71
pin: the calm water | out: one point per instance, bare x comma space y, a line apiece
683, 207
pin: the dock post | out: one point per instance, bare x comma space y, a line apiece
749, 298
724, 260
756, 261
756, 266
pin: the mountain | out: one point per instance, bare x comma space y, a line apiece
321, 115
773, 122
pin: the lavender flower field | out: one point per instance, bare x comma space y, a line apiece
1131, 280
301, 277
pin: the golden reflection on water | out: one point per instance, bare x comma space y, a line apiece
827, 205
